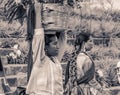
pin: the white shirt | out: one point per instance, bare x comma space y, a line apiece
46, 76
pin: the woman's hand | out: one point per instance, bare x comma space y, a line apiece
38, 17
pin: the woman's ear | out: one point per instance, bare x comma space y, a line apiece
46, 48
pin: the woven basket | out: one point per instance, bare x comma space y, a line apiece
59, 17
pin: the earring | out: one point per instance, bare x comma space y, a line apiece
46, 50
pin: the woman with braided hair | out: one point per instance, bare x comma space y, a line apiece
80, 70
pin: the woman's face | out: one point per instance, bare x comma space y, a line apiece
52, 47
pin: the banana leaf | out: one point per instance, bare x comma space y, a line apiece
16, 10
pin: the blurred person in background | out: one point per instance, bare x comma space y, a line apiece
100, 78
80, 70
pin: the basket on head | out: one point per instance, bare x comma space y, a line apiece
54, 17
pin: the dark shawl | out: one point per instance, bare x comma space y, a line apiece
71, 74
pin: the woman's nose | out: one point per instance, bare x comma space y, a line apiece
57, 46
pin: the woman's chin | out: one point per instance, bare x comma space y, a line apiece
55, 54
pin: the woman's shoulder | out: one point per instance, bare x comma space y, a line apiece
84, 58
45, 60
83, 55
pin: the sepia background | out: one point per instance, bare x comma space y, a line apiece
99, 17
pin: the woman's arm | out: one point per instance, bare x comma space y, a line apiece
38, 38
38, 17
38, 53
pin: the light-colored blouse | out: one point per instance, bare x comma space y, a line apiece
46, 75
84, 63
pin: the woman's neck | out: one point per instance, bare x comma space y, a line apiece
52, 58
83, 47
80, 48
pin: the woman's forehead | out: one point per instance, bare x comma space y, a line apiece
54, 38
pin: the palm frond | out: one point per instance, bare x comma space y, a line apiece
8, 4
21, 11
16, 10
9, 13
12, 14
21, 14
12, 7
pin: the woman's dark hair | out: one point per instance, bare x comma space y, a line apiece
48, 37
82, 37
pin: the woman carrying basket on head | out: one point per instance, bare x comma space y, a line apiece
46, 74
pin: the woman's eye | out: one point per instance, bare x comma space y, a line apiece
55, 43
